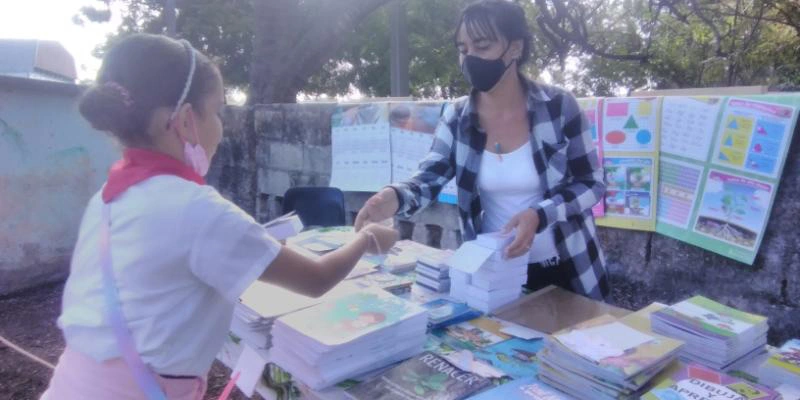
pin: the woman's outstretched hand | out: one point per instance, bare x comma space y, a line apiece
381, 206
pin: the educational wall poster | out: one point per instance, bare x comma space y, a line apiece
412, 129
375, 144
753, 136
630, 140
591, 109
360, 147
687, 125
629, 124
720, 165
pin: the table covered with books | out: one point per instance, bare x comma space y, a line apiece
425, 323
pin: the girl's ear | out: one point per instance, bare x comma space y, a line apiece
181, 123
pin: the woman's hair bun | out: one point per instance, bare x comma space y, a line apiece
107, 107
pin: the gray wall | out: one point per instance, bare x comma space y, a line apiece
51, 163
273, 147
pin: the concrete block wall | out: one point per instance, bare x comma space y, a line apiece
275, 147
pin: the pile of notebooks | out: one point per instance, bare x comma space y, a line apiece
605, 358
694, 381
482, 276
783, 366
262, 303
433, 272
716, 335
348, 336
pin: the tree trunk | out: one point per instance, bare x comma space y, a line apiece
294, 39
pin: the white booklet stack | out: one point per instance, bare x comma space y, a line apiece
348, 336
433, 272
481, 276
285, 226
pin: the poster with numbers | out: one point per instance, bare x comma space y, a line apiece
630, 139
721, 161
375, 144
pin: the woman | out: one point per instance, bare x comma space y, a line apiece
521, 154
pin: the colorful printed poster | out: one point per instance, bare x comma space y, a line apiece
630, 124
679, 184
472, 335
591, 109
753, 136
360, 147
630, 193
734, 209
687, 125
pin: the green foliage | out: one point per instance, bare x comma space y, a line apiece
595, 47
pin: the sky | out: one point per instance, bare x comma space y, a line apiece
52, 20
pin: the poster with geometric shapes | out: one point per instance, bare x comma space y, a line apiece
630, 139
754, 136
630, 124
591, 109
722, 202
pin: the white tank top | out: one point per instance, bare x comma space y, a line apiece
508, 184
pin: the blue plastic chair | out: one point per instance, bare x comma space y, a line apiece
316, 205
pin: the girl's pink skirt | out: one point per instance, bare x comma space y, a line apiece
78, 376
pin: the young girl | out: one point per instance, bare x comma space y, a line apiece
161, 257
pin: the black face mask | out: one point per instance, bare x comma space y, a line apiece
484, 74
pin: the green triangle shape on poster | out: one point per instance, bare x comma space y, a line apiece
631, 124
733, 125
728, 141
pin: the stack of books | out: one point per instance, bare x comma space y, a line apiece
262, 303
348, 336
445, 312
423, 377
482, 276
694, 381
783, 366
433, 272
285, 226
605, 358
716, 335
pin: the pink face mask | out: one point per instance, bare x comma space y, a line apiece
194, 154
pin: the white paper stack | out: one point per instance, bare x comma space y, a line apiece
433, 272
481, 276
348, 336
285, 226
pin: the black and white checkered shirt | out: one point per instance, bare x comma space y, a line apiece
564, 157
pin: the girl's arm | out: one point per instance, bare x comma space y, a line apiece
315, 277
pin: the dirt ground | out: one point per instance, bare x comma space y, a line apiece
28, 319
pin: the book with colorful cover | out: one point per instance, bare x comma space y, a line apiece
787, 357
707, 317
615, 347
528, 388
444, 312
472, 335
393, 283
516, 357
695, 382
424, 377
347, 318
